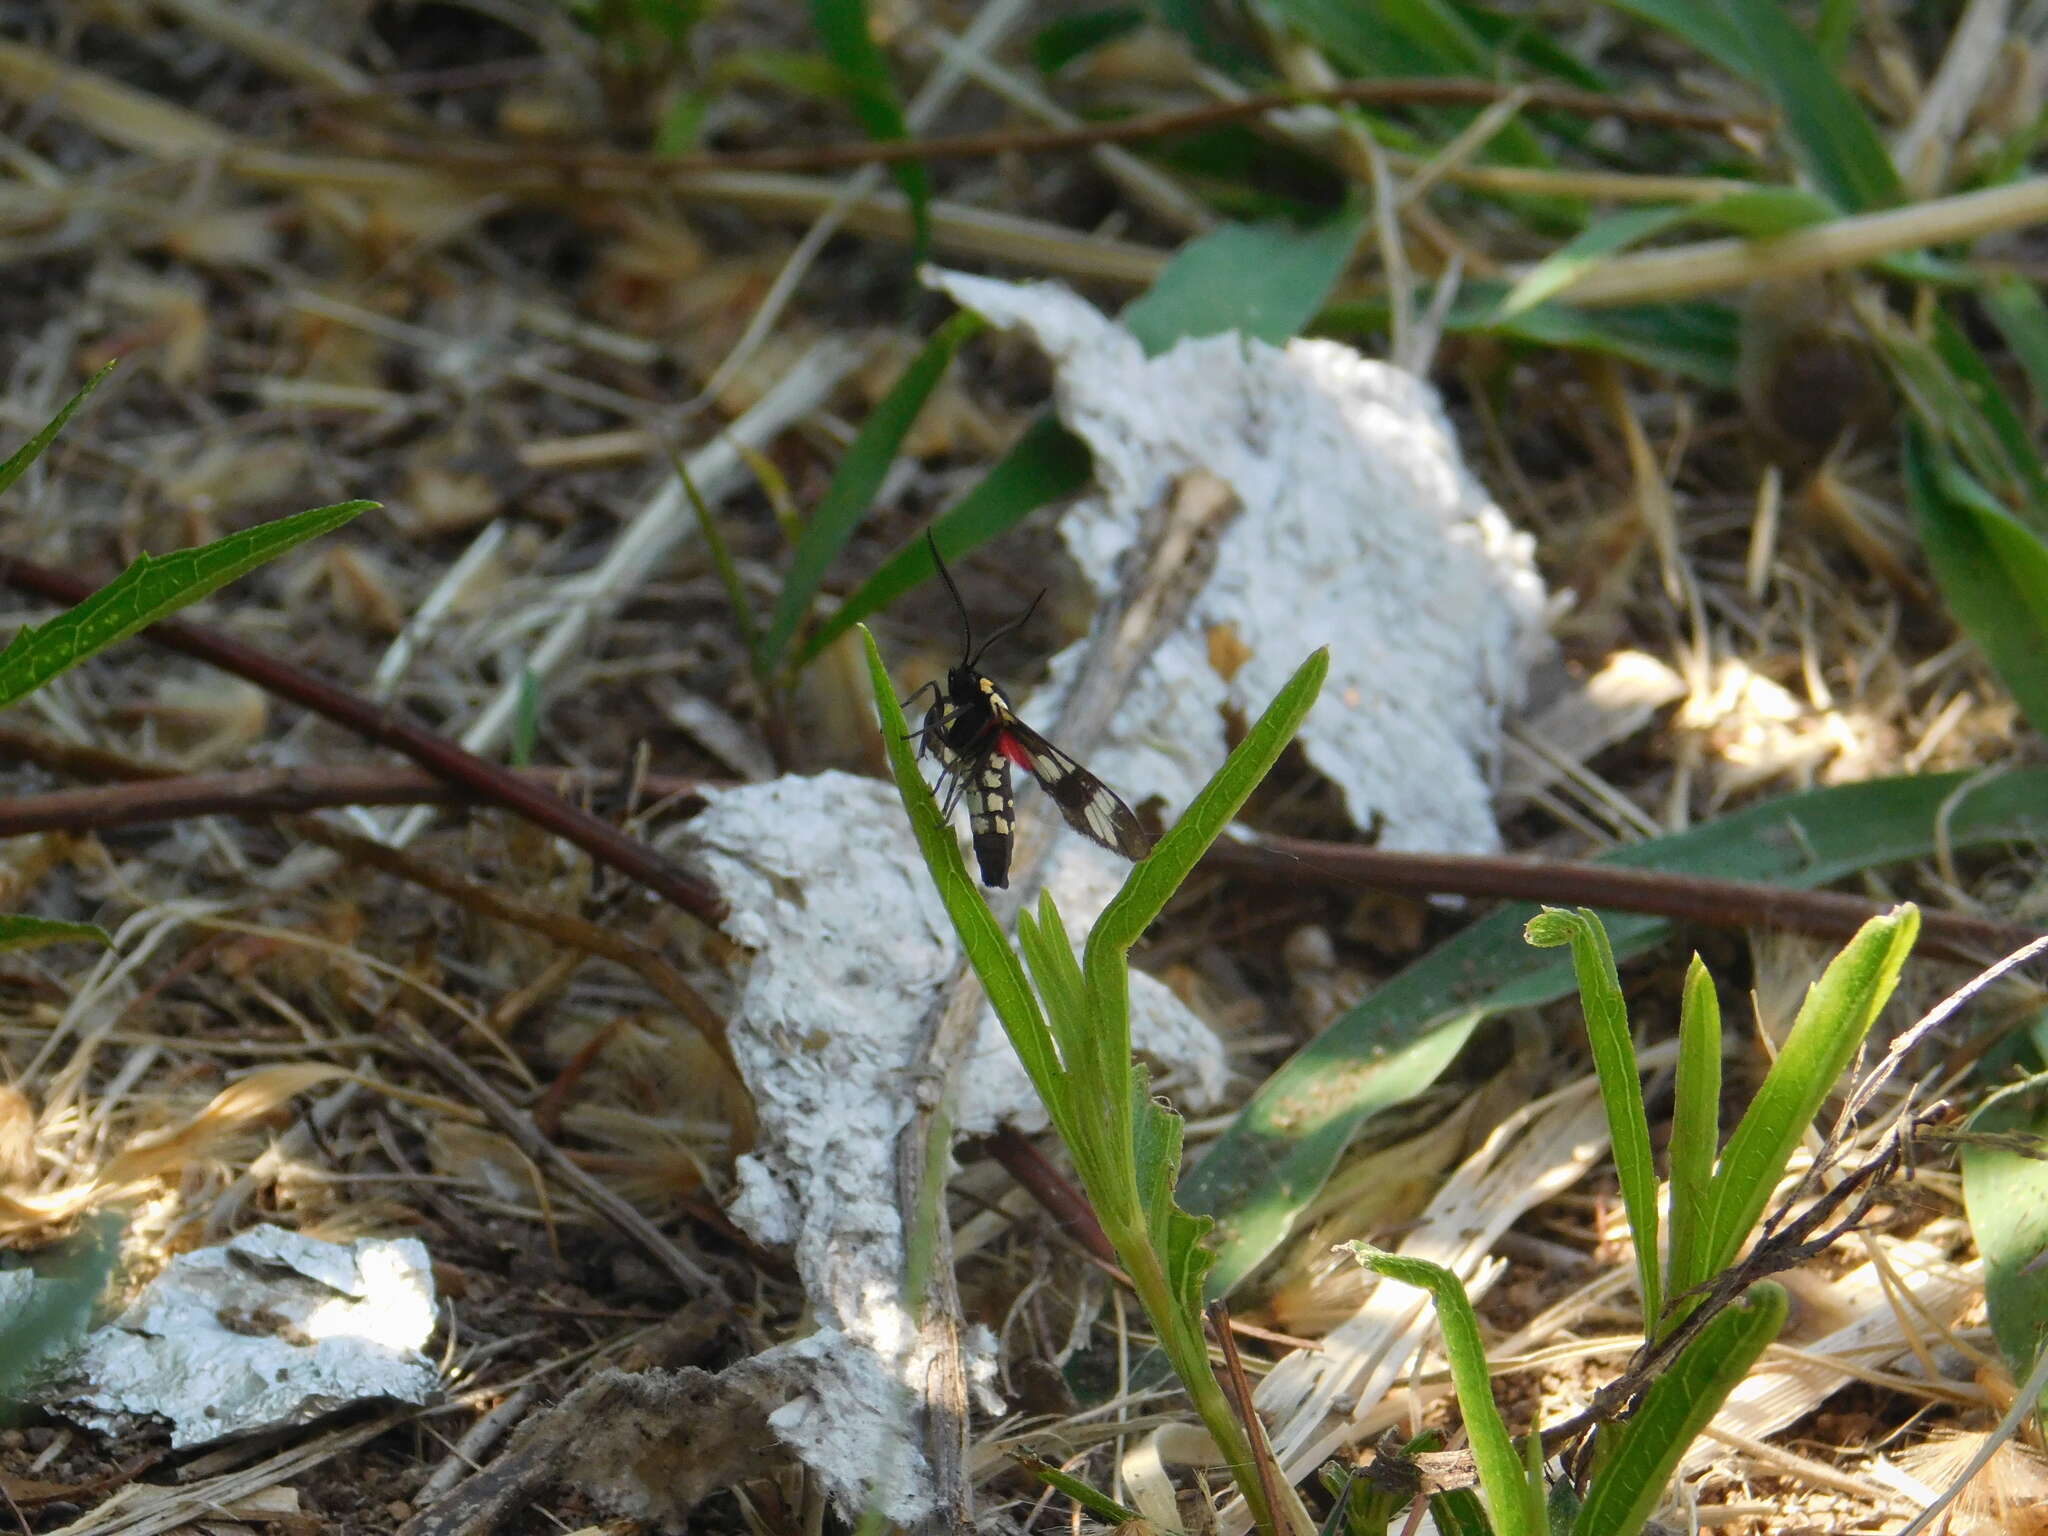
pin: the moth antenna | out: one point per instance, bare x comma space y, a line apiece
1014, 624
967, 651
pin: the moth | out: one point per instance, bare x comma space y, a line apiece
977, 739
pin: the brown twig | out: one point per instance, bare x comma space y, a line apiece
1120, 130
1690, 898
261, 791
1240, 1388
438, 755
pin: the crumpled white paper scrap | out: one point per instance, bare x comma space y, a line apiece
1362, 531
270, 1328
849, 947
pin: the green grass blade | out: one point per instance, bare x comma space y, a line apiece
30, 451
1826, 129
855, 481
1266, 280
1709, 28
1838, 1012
721, 552
849, 43
1695, 1125
34, 932
1277, 1154
1509, 1500
2005, 1192
1829, 133
1758, 213
2015, 307
1677, 1407
1090, 1498
1056, 971
2017, 456
1584, 251
1001, 973
1699, 341
1047, 464
1992, 570
1154, 879
1621, 1088
154, 587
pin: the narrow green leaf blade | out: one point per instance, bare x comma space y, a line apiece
1677, 1407
154, 587
30, 451
1992, 570
1509, 1499
1155, 878
849, 41
2016, 308
1621, 1090
858, 477
1047, 463
17, 932
1695, 1124
1826, 128
1838, 1012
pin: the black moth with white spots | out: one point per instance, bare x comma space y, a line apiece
977, 738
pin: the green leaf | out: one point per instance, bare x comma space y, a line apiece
1838, 1012
1826, 128
2009, 444
1266, 280
1709, 28
1621, 1090
1758, 213
1047, 464
1829, 133
1523, 37
525, 720
1277, 1154
2005, 1191
1509, 1499
150, 589
1992, 571
1695, 1126
34, 932
1677, 1407
2015, 307
849, 43
858, 477
1153, 881
1697, 341
29, 452
1089, 1497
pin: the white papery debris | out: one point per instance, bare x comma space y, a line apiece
1362, 531
268, 1329
849, 950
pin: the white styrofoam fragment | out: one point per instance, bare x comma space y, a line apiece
1362, 530
270, 1328
849, 948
